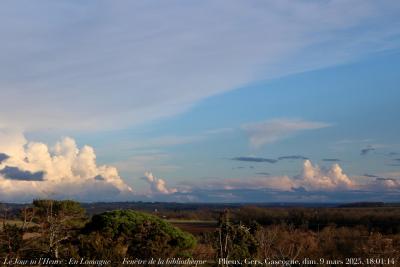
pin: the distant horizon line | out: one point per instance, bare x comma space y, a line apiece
288, 203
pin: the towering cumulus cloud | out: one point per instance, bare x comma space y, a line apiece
315, 178
158, 185
31, 169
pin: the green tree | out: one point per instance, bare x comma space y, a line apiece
123, 233
59, 222
234, 241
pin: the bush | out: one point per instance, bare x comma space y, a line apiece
122, 233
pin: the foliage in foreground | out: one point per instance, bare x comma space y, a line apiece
60, 229
129, 233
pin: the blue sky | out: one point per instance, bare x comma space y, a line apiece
257, 101
346, 97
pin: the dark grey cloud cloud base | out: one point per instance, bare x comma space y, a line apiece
268, 160
14, 173
3, 157
380, 178
370, 175
366, 150
263, 173
255, 159
292, 157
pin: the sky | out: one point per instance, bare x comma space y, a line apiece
200, 101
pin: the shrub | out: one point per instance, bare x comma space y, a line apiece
122, 233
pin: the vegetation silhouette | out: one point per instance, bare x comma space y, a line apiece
127, 233
62, 230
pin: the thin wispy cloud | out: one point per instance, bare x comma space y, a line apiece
161, 87
159, 142
102, 65
266, 132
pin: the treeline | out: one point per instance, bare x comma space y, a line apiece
383, 220
282, 242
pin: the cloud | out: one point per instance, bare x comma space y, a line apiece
36, 170
99, 178
331, 160
312, 178
3, 157
109, 65
269, 160
263, 133
158, 185
316, 178
238, 168
175, 140
273, 182
242, 167
371, 148
383, 181
254, 159
263, 173
386, 183
14, 173
367, 150
279, 197
314, 184
386, 179
292, 157
370, 175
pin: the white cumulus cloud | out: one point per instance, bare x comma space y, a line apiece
68, 171
158, 185
315, 178
312, 178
